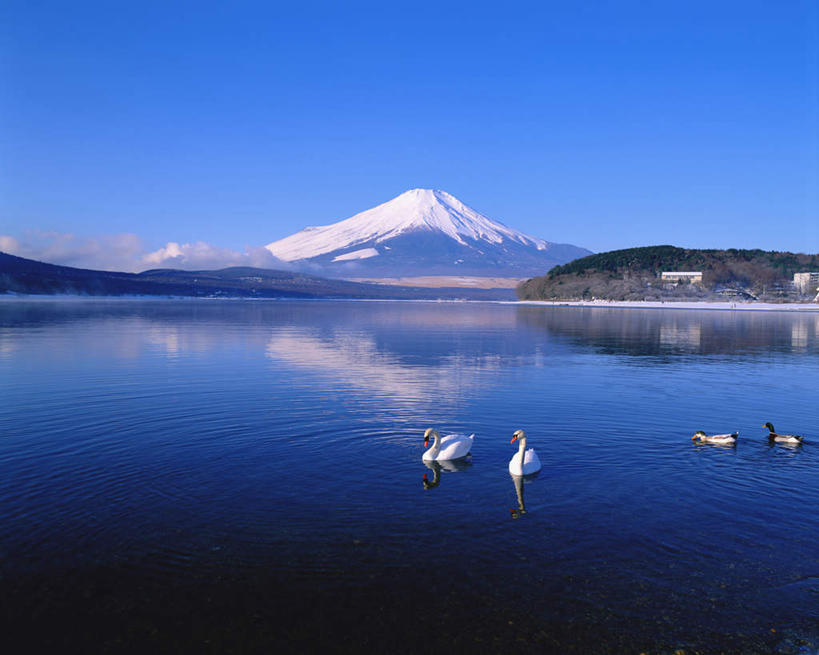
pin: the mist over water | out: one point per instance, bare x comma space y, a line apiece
192, 475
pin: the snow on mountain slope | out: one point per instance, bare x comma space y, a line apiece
417, 209
421, 232
357, 254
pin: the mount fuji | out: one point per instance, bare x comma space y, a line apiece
422, 232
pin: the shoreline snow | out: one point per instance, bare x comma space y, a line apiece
587, 304
655, 304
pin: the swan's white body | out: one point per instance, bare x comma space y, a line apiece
452, 446
523, 462
725, 439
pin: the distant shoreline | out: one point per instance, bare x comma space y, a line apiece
593, 304
657, 304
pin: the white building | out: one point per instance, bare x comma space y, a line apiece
806, 282
677, 276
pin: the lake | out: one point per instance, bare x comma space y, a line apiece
237, 476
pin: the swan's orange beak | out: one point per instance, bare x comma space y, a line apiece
426, 442
514, 439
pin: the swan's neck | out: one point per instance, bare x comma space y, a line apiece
436, 445
521, 448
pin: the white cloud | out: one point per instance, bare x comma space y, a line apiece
9, 244
201, 255
127, 252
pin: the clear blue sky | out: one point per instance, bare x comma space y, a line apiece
603, 124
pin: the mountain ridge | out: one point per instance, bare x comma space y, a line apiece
421, 232
19, 275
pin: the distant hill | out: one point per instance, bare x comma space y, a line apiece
422, 232
634, 274
26, 276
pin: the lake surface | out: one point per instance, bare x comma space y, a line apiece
228, 476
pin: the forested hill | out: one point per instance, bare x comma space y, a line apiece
634, 274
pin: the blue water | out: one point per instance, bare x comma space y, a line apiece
212, 476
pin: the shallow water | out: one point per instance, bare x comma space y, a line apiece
213, 476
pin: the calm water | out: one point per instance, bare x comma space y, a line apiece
247, 476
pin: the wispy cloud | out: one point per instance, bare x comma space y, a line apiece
201, 255
128, 252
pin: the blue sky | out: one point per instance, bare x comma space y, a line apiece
125, 126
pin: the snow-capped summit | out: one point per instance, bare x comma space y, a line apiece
423, 231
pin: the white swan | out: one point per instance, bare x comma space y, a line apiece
452, 446
523, 462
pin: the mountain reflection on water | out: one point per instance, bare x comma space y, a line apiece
213, 476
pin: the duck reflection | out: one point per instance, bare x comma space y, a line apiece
785, 445
449, 465
708, 445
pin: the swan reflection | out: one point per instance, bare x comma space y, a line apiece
436, 475
515, 513
449, 465
519, 481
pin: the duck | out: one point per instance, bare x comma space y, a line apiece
452, 446
782, 438
523, 462
725, 439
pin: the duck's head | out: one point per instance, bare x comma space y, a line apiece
430, 432
698, 434
519, 434
769, 426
